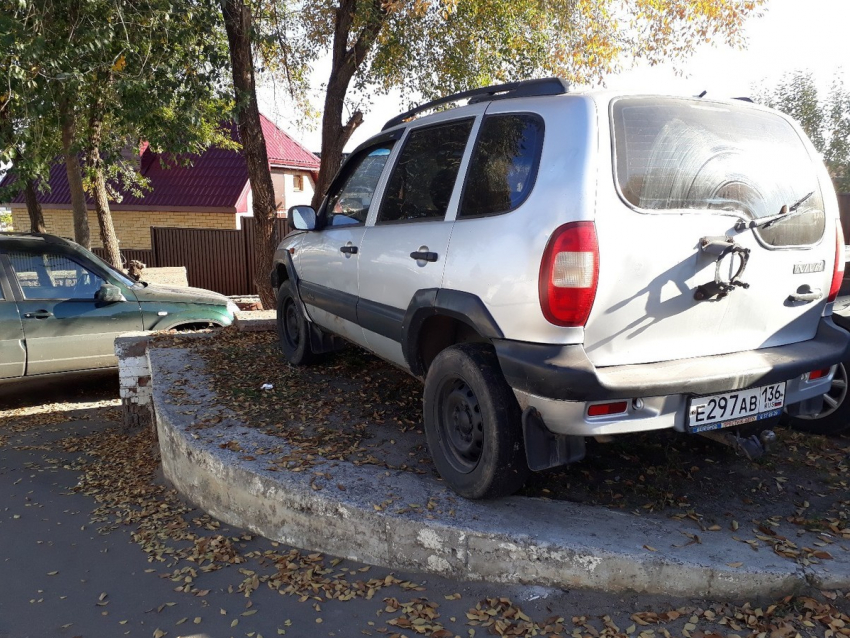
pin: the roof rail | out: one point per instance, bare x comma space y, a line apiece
524, 88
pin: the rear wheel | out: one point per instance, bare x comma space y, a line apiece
292, 329
472, 423
834, 418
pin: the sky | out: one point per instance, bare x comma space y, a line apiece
791, 35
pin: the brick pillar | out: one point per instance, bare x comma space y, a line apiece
134, 375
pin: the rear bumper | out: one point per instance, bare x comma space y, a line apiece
560, 380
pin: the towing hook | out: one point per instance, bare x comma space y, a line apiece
753, 447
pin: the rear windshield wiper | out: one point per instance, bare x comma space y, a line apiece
785, 213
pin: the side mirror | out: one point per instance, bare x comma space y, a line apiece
109, 294
302, 217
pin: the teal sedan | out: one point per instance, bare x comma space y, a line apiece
61, 307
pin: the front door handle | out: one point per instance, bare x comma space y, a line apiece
423, 255
38, 314
348, 250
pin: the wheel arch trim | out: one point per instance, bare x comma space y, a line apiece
431, 302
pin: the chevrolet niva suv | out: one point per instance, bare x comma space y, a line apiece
556, 265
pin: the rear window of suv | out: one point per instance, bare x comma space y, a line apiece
673, 154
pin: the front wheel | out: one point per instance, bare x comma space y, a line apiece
292, 329
472, 423
834, 417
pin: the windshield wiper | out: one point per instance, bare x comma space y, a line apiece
786, 212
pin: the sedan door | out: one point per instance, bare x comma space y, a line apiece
65, 327
13, 354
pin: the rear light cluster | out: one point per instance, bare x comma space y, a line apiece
838, 271
569, 274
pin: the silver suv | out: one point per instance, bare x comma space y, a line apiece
556, 265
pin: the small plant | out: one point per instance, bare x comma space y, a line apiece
5, 220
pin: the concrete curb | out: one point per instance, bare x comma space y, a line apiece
515, 540
255, 320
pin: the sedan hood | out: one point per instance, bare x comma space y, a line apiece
158, 292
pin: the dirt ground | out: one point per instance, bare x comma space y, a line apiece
98, 545
354, 406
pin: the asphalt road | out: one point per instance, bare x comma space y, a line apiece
62, 574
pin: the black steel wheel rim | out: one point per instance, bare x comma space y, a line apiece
460, 425
290, 324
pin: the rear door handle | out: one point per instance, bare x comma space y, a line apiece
38, 314
812, 295
348, 250
423, 256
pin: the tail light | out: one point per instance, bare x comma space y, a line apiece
569, 274
838, 271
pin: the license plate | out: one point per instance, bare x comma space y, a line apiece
735, 408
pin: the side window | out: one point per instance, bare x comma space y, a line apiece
421, 183
349, 205
53, 276
503, 166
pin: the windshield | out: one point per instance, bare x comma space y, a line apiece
122, 277
674, 154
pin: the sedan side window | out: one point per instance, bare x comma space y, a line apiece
349, 205
53, 276
422, 181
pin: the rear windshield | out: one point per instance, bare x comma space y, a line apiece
674, 154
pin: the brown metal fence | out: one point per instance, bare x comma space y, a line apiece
129, 254
219, 260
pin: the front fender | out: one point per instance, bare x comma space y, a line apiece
180, 316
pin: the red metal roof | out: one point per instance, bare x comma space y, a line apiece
216, 180
284, 150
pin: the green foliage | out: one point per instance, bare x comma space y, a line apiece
5, 218
440, 46
826, 120
151, 70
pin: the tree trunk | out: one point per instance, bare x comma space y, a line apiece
34, 209
75, 177
101, 201
237, 21
334, 137
344, 64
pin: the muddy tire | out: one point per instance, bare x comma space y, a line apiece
472, 423
292, 330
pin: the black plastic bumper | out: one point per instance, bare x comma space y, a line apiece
565, 373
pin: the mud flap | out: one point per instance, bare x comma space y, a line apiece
321, 341
545, 449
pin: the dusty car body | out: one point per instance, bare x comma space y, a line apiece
61, 307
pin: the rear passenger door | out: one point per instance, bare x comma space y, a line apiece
13, 354
405, 243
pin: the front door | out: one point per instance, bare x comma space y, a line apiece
13, 354
65, 327
405, 250
328, 258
